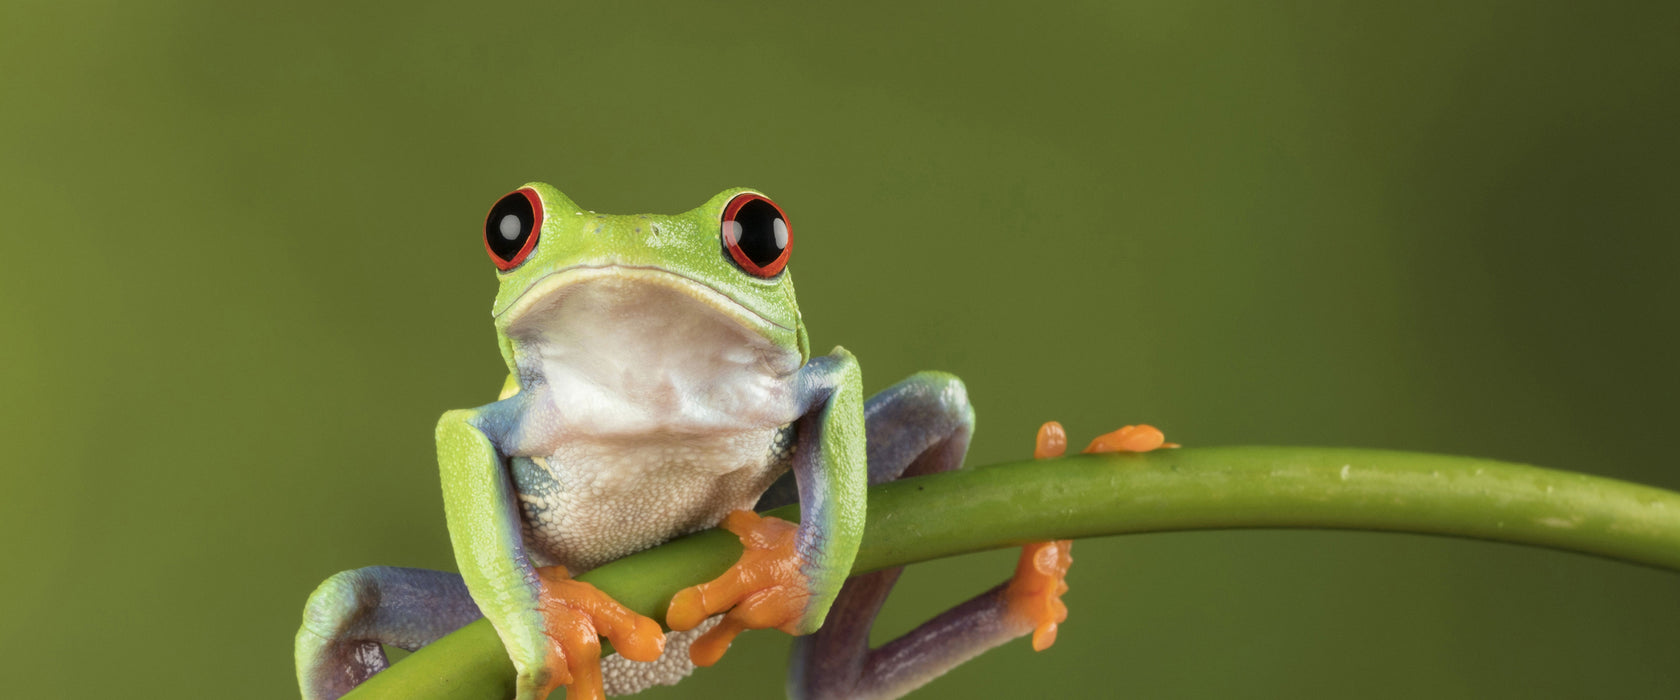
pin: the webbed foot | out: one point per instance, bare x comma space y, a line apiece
1034, 594
765, 589
576, 616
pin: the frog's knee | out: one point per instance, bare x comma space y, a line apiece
341, 600
952, 392
941, 389
332, 658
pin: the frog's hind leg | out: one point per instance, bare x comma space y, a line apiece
922, 426
352, 613
919, 426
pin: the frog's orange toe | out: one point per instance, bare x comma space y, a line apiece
765, 589
1052, 441
577, 616
1132, 438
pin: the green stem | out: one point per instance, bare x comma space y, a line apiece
1169, 490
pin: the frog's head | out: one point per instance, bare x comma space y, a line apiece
715, 275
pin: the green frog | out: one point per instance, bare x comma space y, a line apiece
661, 382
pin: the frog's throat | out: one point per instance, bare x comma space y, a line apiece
548, 285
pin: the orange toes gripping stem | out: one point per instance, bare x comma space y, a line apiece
577, 616
765, 589
1034, 595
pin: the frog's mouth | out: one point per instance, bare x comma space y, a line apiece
606, 322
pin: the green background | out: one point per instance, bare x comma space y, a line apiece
241, 276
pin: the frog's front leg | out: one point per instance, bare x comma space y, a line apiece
351, 614
789, 575
549, 623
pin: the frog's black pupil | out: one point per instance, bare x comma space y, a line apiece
758, 232
517, 206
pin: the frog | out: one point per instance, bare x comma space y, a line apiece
660, 382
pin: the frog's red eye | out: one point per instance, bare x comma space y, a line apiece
512, 228
756, 235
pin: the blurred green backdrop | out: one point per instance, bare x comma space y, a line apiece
242, 277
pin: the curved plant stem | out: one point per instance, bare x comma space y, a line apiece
1169, 490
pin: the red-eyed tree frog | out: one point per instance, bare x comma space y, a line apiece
660, 382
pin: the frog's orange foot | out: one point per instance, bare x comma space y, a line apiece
765, 589
1132, 438
577, 615
1034, 595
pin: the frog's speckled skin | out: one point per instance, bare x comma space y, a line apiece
654, 387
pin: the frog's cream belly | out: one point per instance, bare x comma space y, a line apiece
594, 501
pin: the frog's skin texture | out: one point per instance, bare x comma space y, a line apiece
659, 379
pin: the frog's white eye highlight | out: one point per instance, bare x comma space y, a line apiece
512, 228
756, 235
